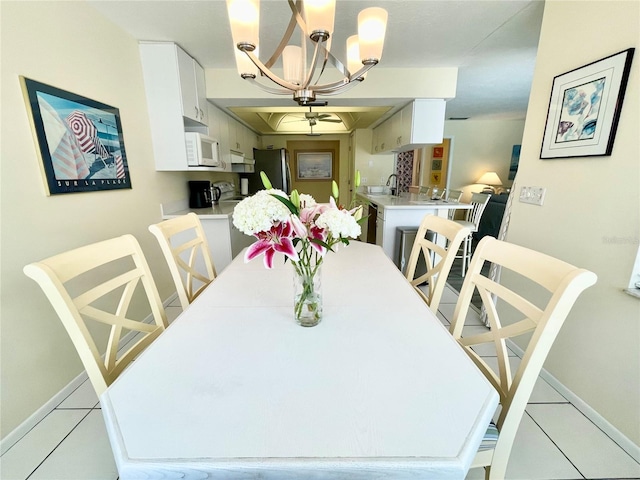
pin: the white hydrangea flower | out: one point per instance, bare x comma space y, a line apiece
260, 212
339, 223
307, 201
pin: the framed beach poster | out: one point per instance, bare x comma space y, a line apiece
80, 140
584, 108
314, 166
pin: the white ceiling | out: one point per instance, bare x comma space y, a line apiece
493, 43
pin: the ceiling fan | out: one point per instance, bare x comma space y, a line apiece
314, 117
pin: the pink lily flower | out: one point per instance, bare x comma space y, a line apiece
276, 239
318, 233
299, 228
308, 214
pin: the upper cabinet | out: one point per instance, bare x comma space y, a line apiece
419, 123
192, 88
176, 101
242, 139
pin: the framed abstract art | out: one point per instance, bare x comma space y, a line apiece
584, 108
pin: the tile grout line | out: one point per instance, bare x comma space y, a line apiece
554, 443
57, 407
59, 443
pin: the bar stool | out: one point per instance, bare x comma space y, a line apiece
472, 219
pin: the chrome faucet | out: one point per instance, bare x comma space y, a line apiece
394, 190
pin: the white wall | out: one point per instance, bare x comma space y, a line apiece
479, 146
67, 45
591, 213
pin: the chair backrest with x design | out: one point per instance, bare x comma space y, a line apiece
436, 244
186, 250
545, 294
105, 283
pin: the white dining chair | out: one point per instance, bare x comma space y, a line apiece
103, 284
452, 196
472, 220
186, 250
432, 256
539, 316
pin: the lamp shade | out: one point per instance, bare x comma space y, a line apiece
292, 64
244, 65
319, 17
372, 25
244, 18
353, 55
489, 178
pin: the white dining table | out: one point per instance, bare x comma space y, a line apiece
236, 389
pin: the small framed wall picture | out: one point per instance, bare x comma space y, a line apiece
584, 108
314, 166
79, 140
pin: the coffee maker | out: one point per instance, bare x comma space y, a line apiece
200, 194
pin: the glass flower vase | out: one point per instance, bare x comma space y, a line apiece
307, 294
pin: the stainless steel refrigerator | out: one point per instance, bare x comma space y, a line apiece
275, 163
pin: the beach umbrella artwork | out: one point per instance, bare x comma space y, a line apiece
86, 133
67, 157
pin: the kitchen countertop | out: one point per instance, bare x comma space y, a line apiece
409, 201
223, 210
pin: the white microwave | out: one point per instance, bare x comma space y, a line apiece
202, 151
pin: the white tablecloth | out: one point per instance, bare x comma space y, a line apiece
236, 389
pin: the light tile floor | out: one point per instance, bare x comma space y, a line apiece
555, 441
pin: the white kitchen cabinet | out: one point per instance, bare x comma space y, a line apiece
218, 130
236, 135
167, 87
225, 240
242, 139
418, 124
192, 87
252, 141
384, 137
421, 123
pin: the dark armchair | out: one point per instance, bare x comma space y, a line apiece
492, 217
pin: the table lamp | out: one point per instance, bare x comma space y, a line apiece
490, 179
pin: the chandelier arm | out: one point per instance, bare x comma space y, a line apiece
327, 53
312, 68
266, 88
269, 74
293, 21
337, 64
336, 90
340, 85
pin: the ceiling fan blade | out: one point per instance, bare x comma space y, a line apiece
332, 120
297, 120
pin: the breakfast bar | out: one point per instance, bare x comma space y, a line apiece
405, 210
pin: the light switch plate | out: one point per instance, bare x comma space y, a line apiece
532, 195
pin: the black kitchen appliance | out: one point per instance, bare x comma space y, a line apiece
200, 194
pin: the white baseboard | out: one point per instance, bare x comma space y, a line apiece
598, 420
25, 427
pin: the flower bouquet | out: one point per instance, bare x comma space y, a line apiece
303, 231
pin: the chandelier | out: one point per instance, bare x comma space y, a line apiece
315, 19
